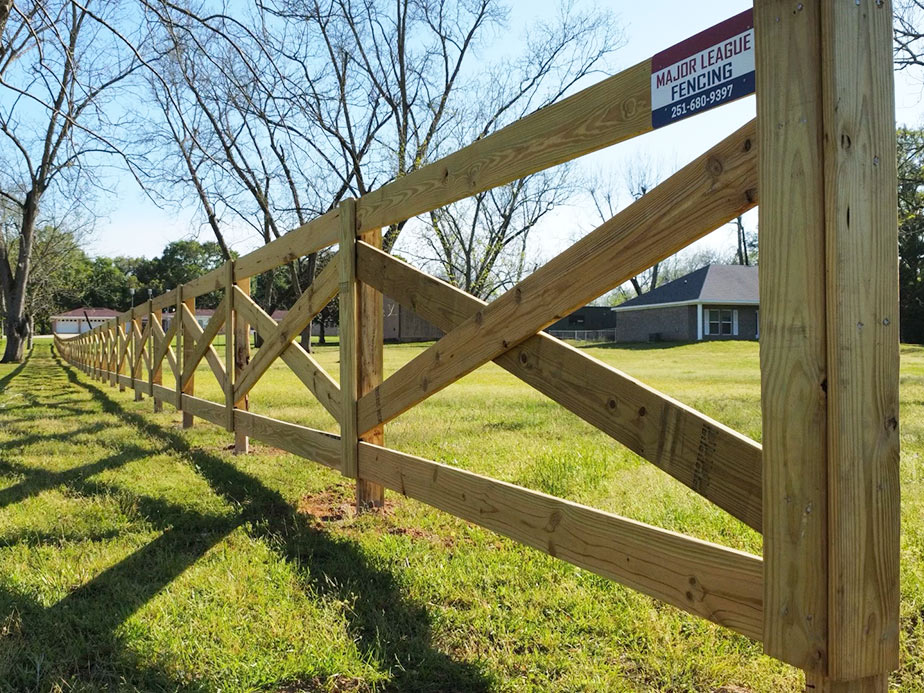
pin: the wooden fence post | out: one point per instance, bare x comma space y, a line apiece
137, 356
229, 345
120, 346
134, 365
792, 331
861, 231
829, 340
349, 338
361, 339
112, 352
178, 320
157, 369
370, 332
189, 347
241, 359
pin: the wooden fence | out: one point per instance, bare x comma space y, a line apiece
824, 488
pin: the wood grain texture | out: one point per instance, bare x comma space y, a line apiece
204, 338
309, 443
137, 353
204, 409
162, 347
279, 338
166, 394
792, 331
302, 364
717, 583
229, 345
156, 375
614, 110
863, 351
204, 284
710, 191
187, 386
371, 332
315, 235
196, 337
713, 460
241, 358
349, 338
165, 300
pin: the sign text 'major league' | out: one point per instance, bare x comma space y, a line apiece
697, 73
703, 71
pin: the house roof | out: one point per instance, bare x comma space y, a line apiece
709, 284
92, 312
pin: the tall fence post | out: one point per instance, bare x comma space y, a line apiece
241, 359
349, 338
178, 319
829, 340
112, 352
136, 353
189, 347
229, 345
863, 353
120, 349
157, 369
370, 334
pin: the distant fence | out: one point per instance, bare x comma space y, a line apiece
585, 335
823, 490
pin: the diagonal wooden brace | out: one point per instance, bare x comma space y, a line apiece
710, 191
276, 340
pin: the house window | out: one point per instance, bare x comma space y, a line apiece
721, 322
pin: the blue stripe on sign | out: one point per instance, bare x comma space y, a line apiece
700, 101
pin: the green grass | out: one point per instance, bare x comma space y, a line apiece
138, 556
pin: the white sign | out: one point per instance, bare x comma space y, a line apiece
714, 67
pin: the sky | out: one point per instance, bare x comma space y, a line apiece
133, 225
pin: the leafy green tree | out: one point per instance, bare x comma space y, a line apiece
109, 283
181, 262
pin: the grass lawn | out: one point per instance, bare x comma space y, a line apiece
138, 556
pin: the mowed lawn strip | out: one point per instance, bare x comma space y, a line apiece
137, 556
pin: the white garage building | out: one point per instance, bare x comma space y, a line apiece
75, 321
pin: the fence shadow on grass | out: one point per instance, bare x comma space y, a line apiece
75, 643
8, 378
389, 628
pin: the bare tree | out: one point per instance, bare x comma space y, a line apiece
746, 245
333, 98
59, 65
909, 33
639, 176
480, 244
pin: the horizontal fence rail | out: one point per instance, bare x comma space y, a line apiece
725, 586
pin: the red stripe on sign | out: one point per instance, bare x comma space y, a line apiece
704, 39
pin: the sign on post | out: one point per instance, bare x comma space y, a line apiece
714, 67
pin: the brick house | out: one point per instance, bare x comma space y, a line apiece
712, 303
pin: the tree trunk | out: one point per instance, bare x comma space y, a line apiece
16, 336
306, 338
17, 320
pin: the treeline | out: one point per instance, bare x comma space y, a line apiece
67, 278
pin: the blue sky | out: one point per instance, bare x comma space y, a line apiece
134, 226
